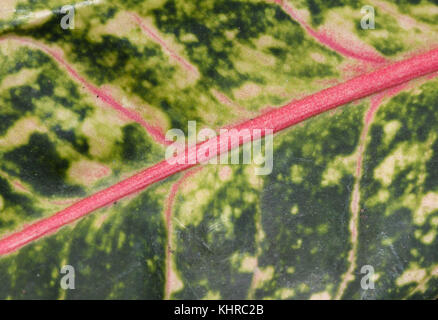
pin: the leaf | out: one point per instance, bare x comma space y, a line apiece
83, 109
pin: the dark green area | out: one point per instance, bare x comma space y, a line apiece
6, 121
31, 276
203, 251
21, 98
135, 146
390, 46
79, 143
413, 2
22, 205
250, 20
20, 101
99, 271
39, 164
319, 257
419, 119
318, 8
214, 53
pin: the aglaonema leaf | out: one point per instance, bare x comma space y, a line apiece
86, 107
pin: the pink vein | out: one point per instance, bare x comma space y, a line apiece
322, 37
355, 202
376, 102
155, 132
154, 36
277, 120
169, 209
236, 108
403, 19
221, 97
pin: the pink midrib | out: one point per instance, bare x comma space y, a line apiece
277, 120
